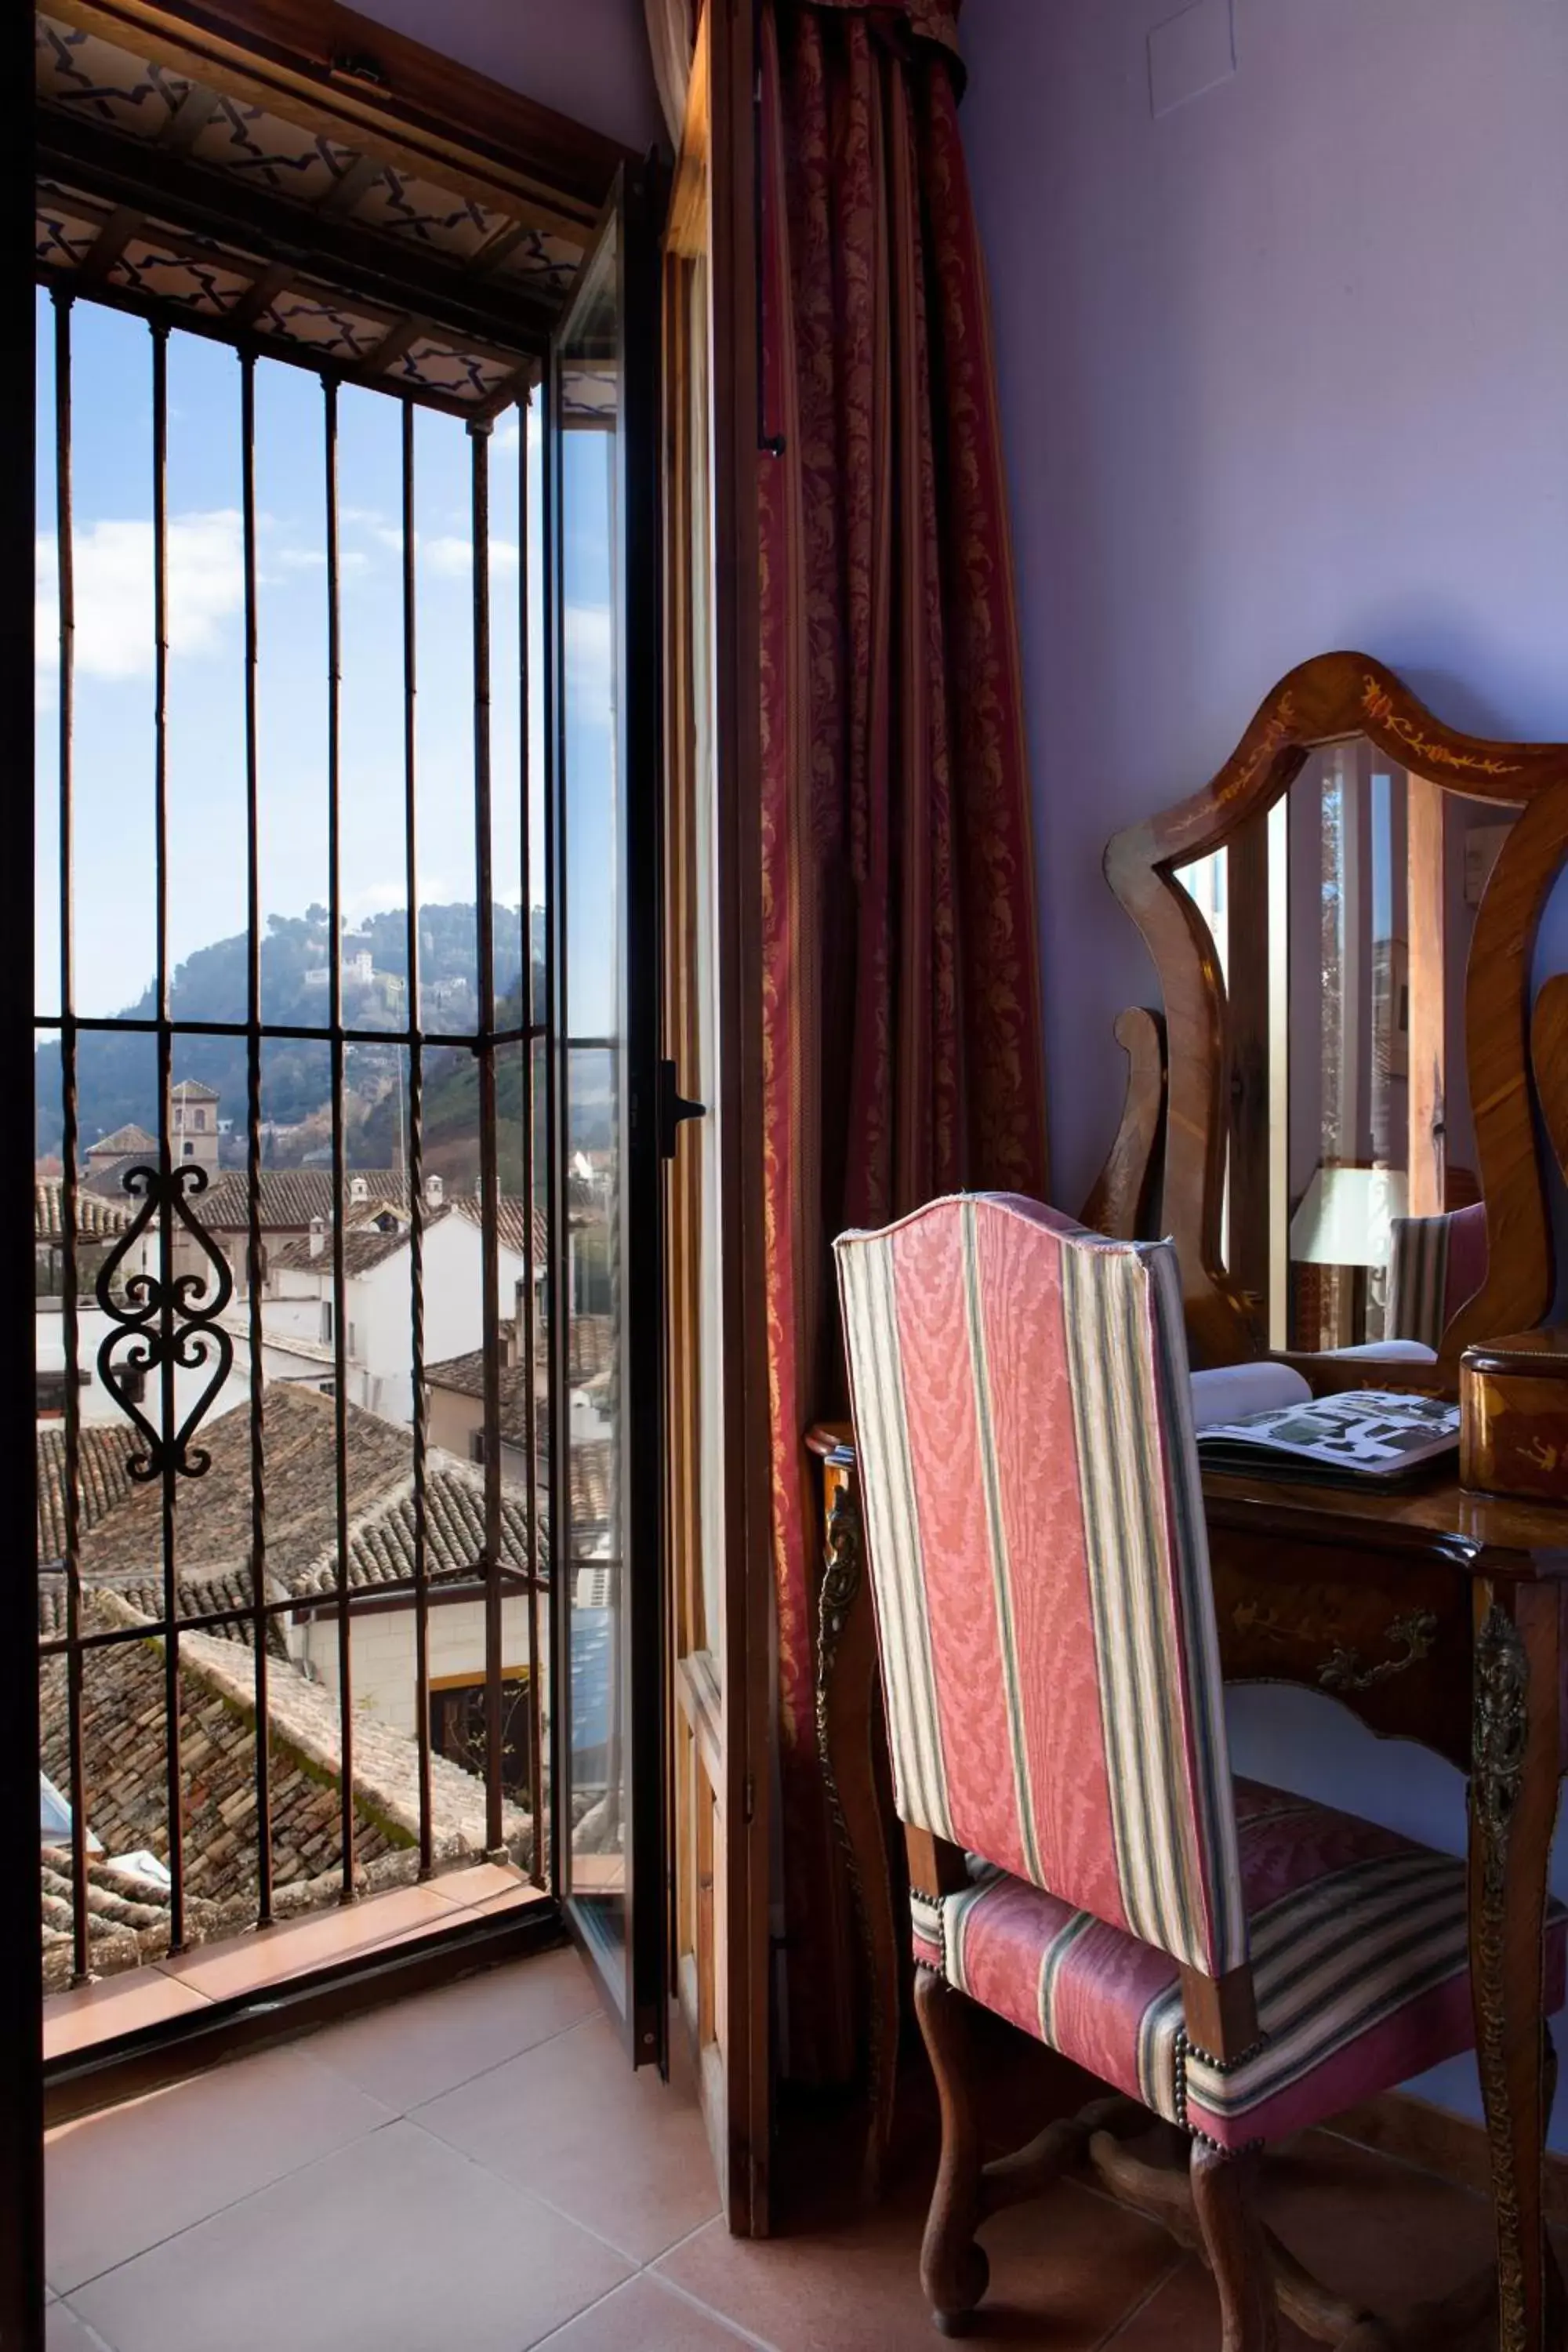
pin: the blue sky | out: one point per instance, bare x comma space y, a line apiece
114, 733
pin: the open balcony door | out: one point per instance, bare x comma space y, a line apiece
607, 1445
718, 1494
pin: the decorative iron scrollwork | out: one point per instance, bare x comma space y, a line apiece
165, 1319
1411, 1635
1500, 1736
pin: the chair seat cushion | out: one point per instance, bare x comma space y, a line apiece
1360, 1966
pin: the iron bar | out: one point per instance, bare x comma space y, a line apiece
530, 1336
65, 559
23, 895
168, 1399
490, 1237
473, 1040
242, 1616
258, 1411
340, 1185
416, 1158
231, 329
260, 1609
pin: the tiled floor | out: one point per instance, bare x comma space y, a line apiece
477, 2168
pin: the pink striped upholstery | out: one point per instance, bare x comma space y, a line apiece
1436, 1264
1050, 1667
1041, 1573
1360, 1966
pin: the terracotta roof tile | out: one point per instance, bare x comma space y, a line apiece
212, 1520
382, 1538
363, 1247
102, 1481
362, 1250
464, 1375
123, 1766
511, 1224
289, 1197
124, 1140
96, 1219
105, 1182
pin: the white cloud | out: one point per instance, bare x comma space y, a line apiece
113, 563
279, 564
590, 651
447, 555
375, 898
507, 431
450, 555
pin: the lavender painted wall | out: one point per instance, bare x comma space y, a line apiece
1283, 367
588, 58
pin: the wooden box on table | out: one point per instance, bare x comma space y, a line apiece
1513, 1404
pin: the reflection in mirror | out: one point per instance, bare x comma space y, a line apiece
1342, 922
1349, 1143
1207, 883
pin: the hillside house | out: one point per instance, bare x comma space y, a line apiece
299, 1305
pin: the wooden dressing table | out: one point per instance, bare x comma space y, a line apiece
1434, 1615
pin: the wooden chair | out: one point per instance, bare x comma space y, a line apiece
1238, 1962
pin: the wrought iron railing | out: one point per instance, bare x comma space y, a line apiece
162, 1321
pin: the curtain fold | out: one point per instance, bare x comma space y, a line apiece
902, 1037
672, 37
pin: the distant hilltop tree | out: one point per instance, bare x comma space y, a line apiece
117, 1078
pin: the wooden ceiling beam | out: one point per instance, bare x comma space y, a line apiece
189, 120
360, 175
274, 280
207, 203
216, 330
329, 68
110, 244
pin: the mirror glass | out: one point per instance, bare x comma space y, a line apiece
1342, 920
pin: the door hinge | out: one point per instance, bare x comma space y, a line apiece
672, 1108
748, 1796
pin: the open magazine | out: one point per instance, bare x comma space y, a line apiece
1377, 1434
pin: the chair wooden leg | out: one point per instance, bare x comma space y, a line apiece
955, 2272
1225, 2198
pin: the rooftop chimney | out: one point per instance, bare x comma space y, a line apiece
318, 1236
434, 1191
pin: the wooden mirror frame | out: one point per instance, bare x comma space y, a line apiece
1326, 701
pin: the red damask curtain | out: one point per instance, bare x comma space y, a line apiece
903, 1008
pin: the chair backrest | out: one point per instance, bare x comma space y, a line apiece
1035, 1539
1434, 1263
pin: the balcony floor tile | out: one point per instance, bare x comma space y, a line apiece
462, 2031
119, 2182
624, 2154
395, 2244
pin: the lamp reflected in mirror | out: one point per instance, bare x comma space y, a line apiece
1340, 919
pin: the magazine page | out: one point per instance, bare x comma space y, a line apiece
1231, 1393
1367, 1431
